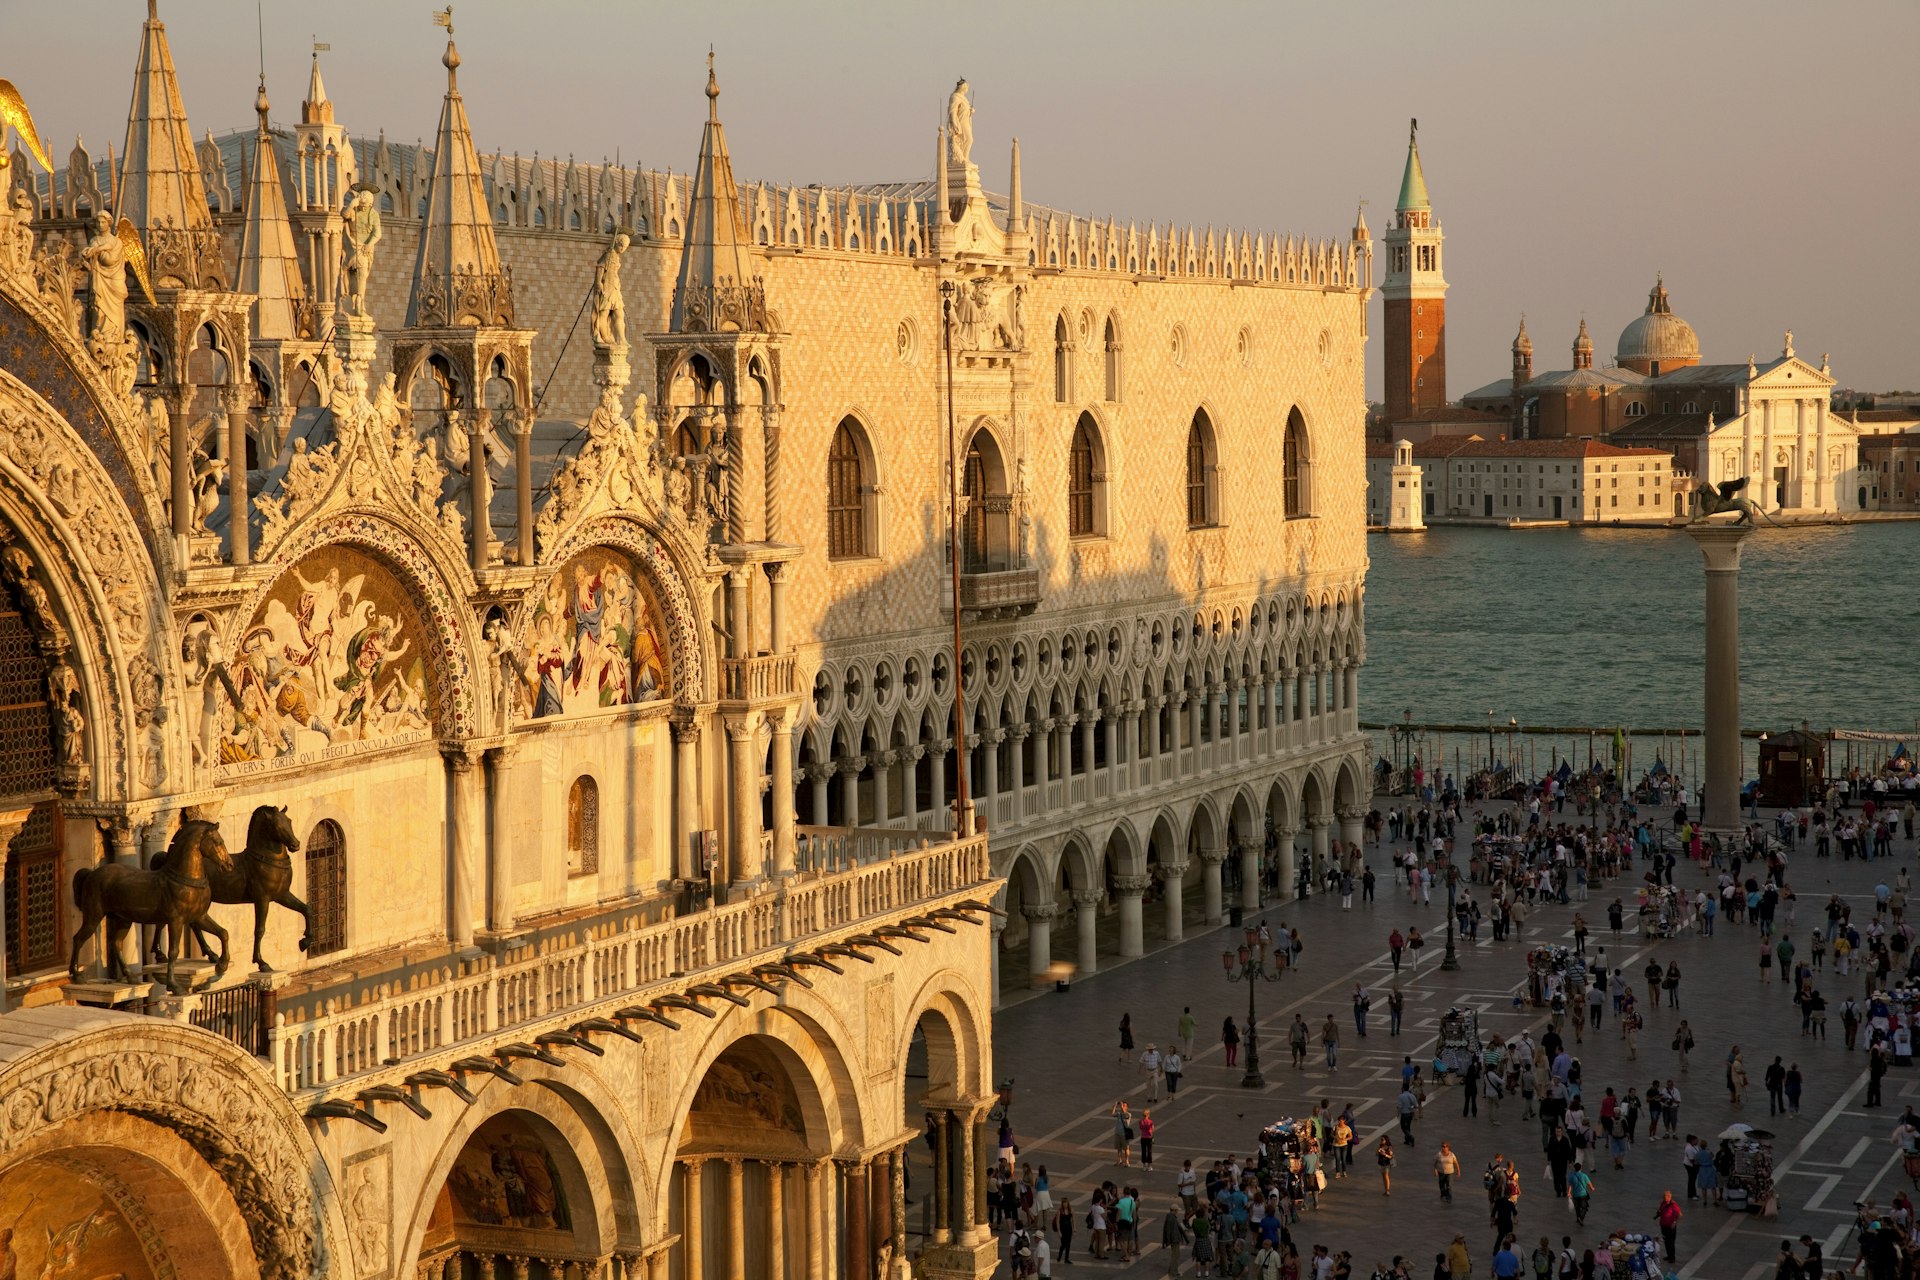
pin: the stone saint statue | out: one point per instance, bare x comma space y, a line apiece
609, 307
959, 125
106, 260
363, 233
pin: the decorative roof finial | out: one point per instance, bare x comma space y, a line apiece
451, 58
713, 88
1786, 347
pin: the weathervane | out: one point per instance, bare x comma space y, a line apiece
444, 18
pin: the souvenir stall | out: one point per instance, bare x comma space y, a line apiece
1750, 1186
1890, 1017
1546, 961
1459, 1041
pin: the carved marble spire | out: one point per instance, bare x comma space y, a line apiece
457, 278
159, 180
717, 287
269, 259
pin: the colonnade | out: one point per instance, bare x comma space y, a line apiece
476, 1264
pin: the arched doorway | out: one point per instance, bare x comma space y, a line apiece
752, 1192
515, 1194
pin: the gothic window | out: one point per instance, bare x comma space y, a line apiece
33, 875
1062, 360
583, 827
326, 888
849, 493
1203, 499
1296, 468
1112, 344
1085, 483
1635, 409
986, 533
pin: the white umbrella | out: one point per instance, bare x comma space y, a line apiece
1734, 1132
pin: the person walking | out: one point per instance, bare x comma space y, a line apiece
1791, 1085
1173, 1068
1459, 1262
1668, 1216
1580, 1192
1408, 1106
1146, 1140
1396, 1008
1297, 1041
1063, 1227
1122, 1135
1186, 1027
1230, 1040
1470, 1087
1362, 1001
1446, 1167
1150, 1068
1383, 1154
1395, 945
1126, 1037
1683, 1043
1330, 1041
1776, 1081
1736, 1077
1670, 983
1876, 1072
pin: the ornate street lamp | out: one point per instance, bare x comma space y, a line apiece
1489, 739
1450, 960
1249, 965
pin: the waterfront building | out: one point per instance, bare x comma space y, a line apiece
605, 718
1465, 479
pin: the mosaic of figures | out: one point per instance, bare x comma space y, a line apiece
506, 1178
333, 659
60, 1224
595, 641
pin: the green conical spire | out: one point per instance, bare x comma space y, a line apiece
1413, 184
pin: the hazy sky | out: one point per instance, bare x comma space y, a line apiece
1761, 153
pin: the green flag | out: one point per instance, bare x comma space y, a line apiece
1619, 745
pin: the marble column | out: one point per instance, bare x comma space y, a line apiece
1250, 877
1129, 890
743, 860
883, 767
1289, 872
735, 1212
180, 459
1039, 941
1353, 831
1086, 923
1317, 828
465, 839
480, 493
500, 839
693, 1229
1820, 490
523, 490
783, 793
820, 775
938, 764
123, 847
234, 410
897, 1208
1173, 892
818, 1191
776, 1220
942, 1178
739, 640
1719, 544
850, 791
1089, 725
859, 1259
686, 796
1210, 860
997, 926
977, 1171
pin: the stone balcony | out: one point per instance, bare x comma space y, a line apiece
767, 677
618, 971
1000, 593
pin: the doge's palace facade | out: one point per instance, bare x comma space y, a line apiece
570, 757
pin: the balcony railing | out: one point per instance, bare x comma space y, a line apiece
339, 1050
759, 679
1000, 592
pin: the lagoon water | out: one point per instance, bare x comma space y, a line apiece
1604, 626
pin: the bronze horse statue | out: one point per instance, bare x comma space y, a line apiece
177, 897
261, 875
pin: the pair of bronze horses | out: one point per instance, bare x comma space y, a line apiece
182, 886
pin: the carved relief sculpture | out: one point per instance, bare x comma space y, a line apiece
106, 261
609, 307
363, 233
960, 124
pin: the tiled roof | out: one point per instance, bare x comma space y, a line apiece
1560, 449
1437, 447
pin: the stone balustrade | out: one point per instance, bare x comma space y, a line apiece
523, 994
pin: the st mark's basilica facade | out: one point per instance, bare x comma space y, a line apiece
583, 741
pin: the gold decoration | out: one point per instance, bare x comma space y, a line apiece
136, 254
13, 109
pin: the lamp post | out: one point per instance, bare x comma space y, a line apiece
1450, 960
1489, 739
1249, 965
1512, 724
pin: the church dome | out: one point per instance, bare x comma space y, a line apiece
1658, 341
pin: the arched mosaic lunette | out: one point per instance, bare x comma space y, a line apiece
688, 669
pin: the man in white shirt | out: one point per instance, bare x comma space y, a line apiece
1150, 1064
1042, 1256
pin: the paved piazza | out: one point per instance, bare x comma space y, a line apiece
1061, 1051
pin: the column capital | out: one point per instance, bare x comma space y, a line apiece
1089, 897
12, 821
1038, 913
1319, 822
1213, 854
504, 755
741, 727
1131, 886
686, 729
1349, 814
1719, 542
1173, 870
1281, 833
461, 756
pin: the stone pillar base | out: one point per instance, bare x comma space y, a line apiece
961, 1261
